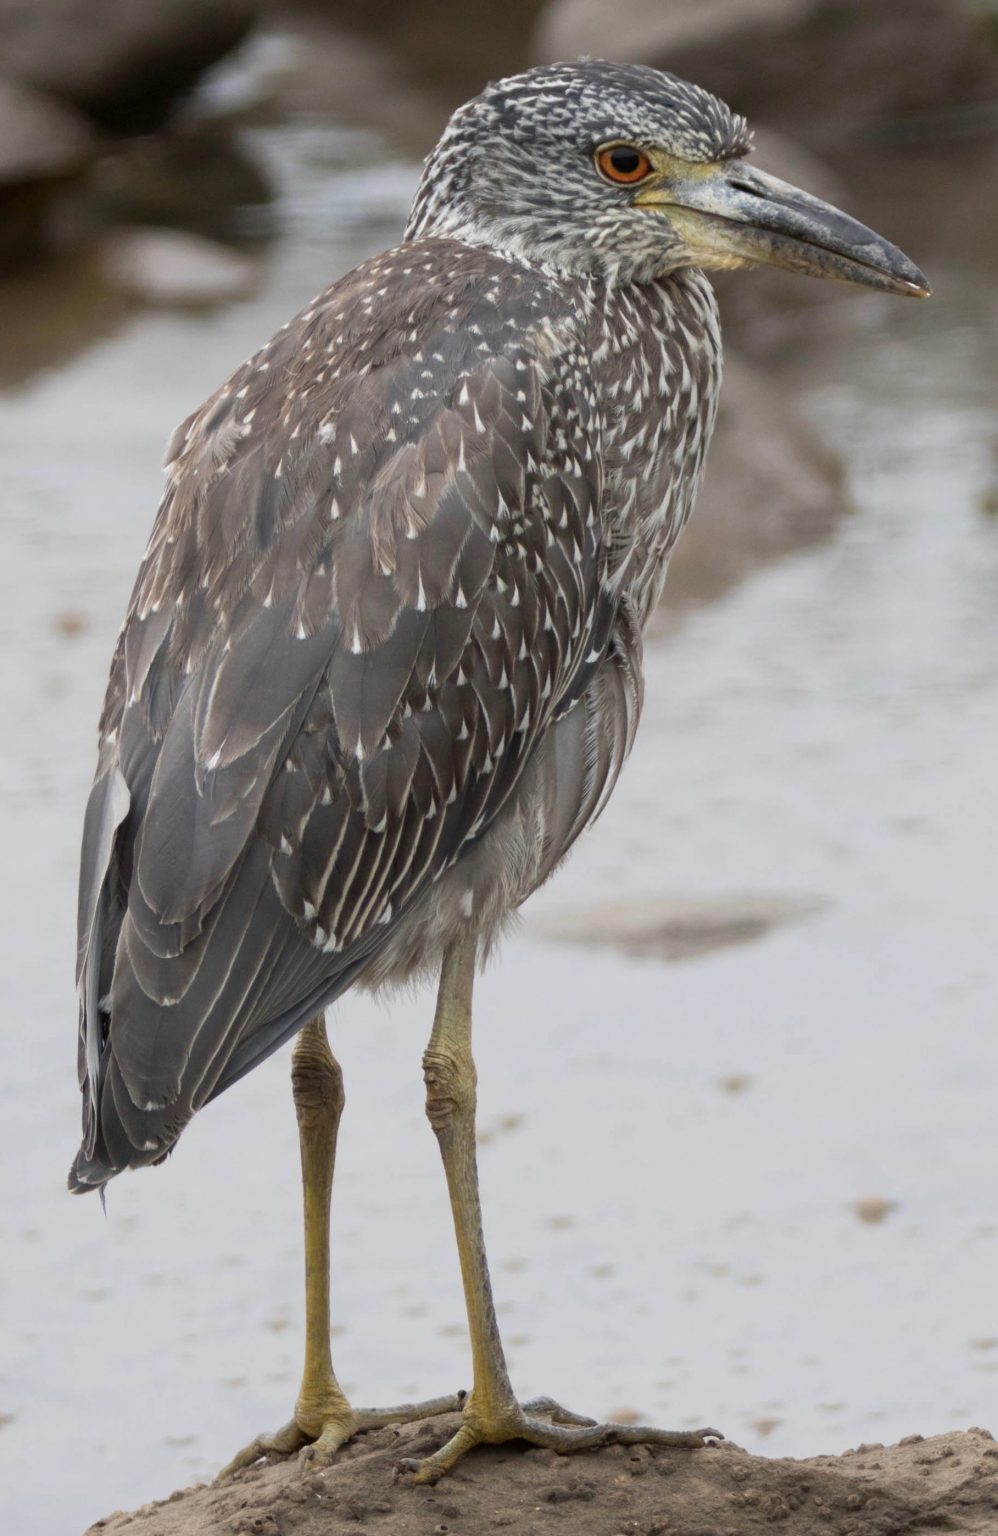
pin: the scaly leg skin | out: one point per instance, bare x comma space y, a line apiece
491, 1414
323, 1418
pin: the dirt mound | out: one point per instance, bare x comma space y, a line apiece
948, 1482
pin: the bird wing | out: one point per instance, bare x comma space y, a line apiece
376, 577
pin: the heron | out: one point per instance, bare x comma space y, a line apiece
382, 663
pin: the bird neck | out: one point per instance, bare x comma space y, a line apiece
655, 351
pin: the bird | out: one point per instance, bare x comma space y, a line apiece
382, 663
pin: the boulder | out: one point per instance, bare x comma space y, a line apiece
771, 487
943, 1483
441, 46
322, 69
197, 173
787, 158
819, 66
43, 145
641, 31
40, 139
122, 61
170, 267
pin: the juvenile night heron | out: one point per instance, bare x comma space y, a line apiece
382, 663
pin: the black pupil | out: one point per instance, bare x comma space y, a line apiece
625, 161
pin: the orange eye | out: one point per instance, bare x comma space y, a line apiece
623, 164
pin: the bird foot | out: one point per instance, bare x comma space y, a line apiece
317, 1434
543, 1422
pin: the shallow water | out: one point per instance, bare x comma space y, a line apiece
672, 1152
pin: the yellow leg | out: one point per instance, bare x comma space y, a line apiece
491, 1414
451, 1099
317, 1086
323, 1417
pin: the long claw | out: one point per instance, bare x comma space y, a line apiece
321, 1451
430, 1469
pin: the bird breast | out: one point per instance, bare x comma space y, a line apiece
656, 358
656, 352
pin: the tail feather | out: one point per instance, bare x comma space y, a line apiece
130, 1136
88, 1174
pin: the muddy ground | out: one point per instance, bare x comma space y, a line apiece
945, 1483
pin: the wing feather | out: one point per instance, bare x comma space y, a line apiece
373, 584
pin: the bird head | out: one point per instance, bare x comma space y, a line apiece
629, 173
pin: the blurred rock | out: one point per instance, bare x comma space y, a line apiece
448, 48
122, 61
69, 624
193, 174
783, 156
40, 138
643, 30
166, 266
52, 309
43, 144
872, 1209
681, 930
320, 69
821, 66
771, 487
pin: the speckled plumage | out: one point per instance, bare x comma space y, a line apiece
382, 663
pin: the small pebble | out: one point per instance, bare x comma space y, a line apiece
873, 1208
70, 624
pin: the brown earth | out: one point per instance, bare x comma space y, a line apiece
946, 1483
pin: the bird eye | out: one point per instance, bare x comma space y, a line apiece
623, 163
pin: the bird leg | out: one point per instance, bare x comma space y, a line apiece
323, 1418
491, 1414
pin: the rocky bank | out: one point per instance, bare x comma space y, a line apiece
945, 1483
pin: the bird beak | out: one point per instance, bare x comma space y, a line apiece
732, 215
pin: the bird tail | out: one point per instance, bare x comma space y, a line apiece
135, 1103
88, 1174
94, 1166
118, 1134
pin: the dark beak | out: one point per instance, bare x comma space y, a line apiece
732, 215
